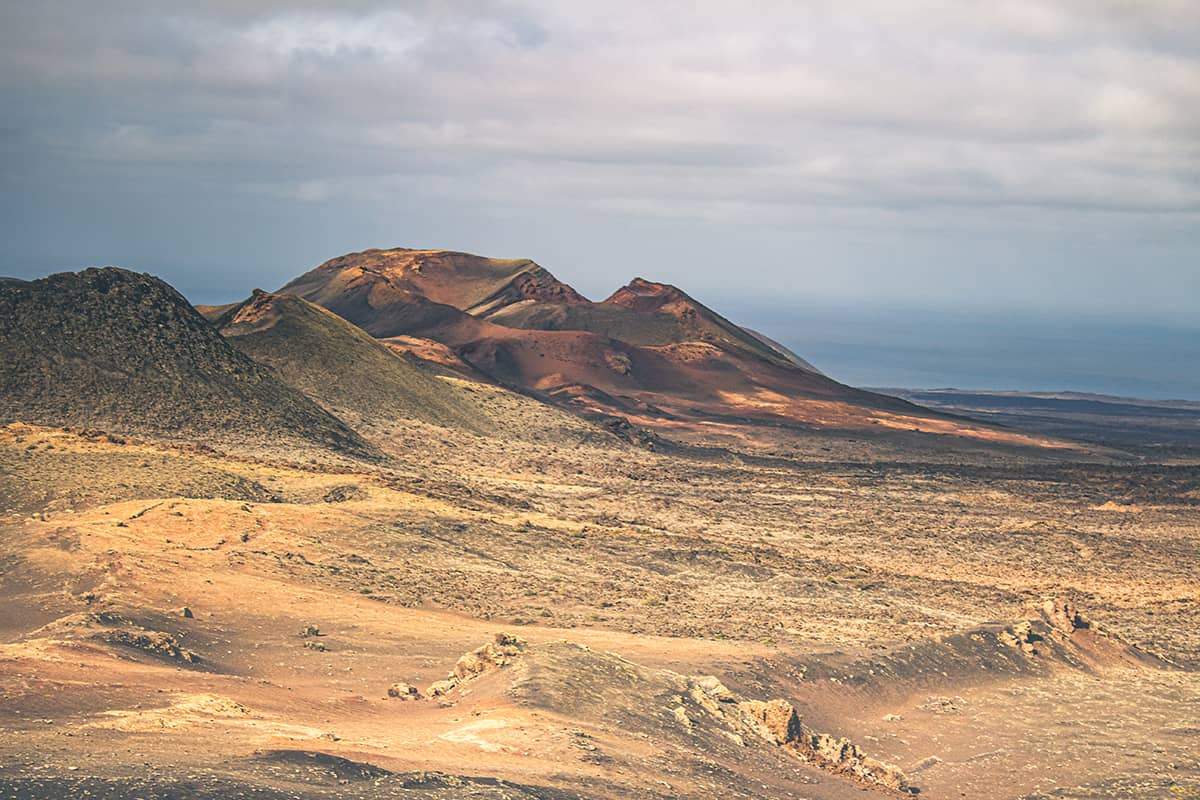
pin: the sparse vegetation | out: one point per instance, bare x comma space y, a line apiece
178, 610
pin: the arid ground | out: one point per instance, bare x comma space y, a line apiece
270, 555
178, 623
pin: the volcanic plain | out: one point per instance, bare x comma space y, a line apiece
497, 550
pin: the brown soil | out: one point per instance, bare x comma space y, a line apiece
900, 608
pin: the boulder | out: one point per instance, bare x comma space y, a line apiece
403, 691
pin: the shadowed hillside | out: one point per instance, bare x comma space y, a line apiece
122, 351
338, 364
361, 379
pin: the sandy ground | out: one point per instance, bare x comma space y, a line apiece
877, 597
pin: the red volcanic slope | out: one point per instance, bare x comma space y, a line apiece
649, 349
478, 286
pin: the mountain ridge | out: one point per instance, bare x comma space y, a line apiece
649, 353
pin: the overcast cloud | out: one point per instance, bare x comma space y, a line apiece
1010, 154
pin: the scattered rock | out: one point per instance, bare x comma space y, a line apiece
342, 494
926, 763
403, 691
154, 643
942, 705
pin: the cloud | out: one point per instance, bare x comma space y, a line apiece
1025, 101
1018, 116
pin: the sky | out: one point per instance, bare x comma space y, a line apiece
902, 167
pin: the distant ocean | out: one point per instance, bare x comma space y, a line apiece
931, 349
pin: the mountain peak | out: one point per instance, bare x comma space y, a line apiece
643, 295
473, 284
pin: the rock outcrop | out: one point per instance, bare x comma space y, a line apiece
155, 643
1064, 616
774, 720
778, 722
493, 655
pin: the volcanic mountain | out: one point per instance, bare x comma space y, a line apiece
517, 293
650, 352
477, 286
361, 379
336, 363
126, 352
647, 314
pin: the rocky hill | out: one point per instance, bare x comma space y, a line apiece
363, 380
650, 353
337, 364
125, 352
517, 293
476, 285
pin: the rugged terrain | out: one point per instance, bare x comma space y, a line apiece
110, 348
495, 597
649, 354
364, 381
